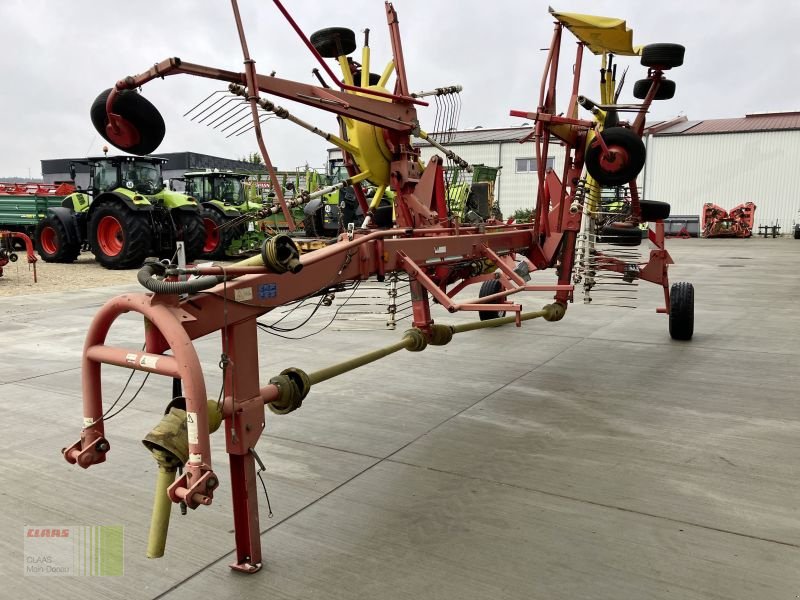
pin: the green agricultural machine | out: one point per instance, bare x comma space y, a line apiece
125, 216
473, 200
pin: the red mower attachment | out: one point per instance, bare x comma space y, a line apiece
8, 253
738, 222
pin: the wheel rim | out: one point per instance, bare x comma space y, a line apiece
109, 236
212, 235
49, 240
616, 159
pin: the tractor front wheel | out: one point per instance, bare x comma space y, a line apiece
120, 237
681, 311
53, 243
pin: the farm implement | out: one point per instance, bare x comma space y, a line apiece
417, 237
8, 250
738, 222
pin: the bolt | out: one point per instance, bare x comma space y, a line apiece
211, 483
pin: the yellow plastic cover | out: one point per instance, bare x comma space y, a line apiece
600, 34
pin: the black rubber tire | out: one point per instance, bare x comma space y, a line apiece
64, 251
137, 234
663, 56
374, 78
620, 138
489, 287
139, 112
383, 215
226, 236
681, 311
653, 210
333, 42
190, 230
666, 89
312, 225
796, 233
620, 236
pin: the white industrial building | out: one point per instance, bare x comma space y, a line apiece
689, 163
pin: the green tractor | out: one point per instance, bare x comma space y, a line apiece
226, 198
125, 216
473, 201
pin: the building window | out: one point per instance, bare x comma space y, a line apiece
528, 165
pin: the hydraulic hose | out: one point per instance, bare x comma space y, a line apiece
147, 273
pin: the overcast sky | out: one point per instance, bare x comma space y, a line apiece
57, 56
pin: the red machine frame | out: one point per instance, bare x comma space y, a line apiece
440, 255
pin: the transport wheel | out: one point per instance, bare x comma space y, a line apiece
190, 229
374, 78
666, 89
142, 128
620, 234
119, 237
681, 311
663, 56
333, 42
489, 287
625, 158
52, 241
653, 210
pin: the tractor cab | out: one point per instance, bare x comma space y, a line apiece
138, 174
226, 187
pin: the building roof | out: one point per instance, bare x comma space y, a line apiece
779, 121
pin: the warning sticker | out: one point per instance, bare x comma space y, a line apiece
195, 458
243, 294
87, 421
148, 362
130, 358
191, 427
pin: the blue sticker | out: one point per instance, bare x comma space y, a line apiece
267, 290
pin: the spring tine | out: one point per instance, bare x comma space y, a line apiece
209, 107
221, 107
245, 128
236, 122
222, 117
203, 100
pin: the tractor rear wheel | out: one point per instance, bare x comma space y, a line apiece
333, 42
663, 56
489, 287
120, 238
216, 239
312, 224
681, 311
666, 89
189, 229
626, 156
53, 243
142, 128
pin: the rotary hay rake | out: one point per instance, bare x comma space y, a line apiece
417, 238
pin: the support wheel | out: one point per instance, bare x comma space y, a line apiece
625, 158
334, 42
665, 91
141, 129
119, 237
492, 286
653, 210
681, 311
663, 56
53, 243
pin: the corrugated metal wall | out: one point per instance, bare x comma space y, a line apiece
514, 191
727, 169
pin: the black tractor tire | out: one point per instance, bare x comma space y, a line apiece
190, 230
681, 311
312, 225
663, 56
630, 154
52, 242
119, 237
796, 233
620, 236
665, 91
139, 113
216, 240
333, 42
653, 210
489, 287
